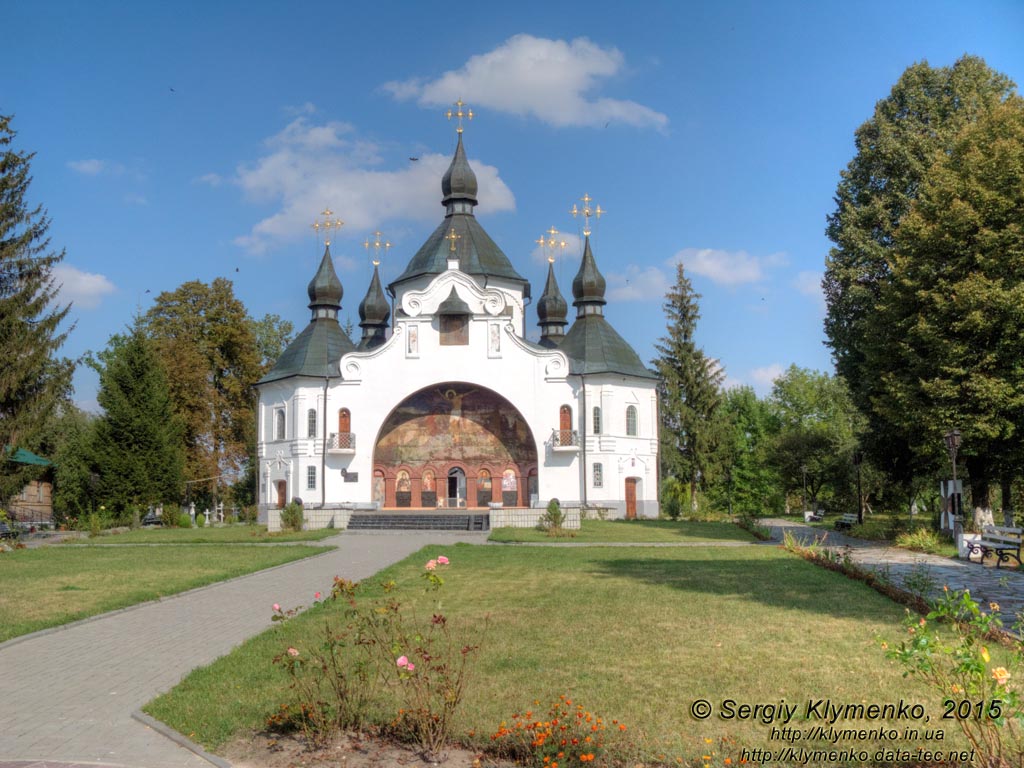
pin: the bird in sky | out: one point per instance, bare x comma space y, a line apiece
414, 159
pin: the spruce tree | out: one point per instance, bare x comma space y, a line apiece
32, 380
137, 448
689, 394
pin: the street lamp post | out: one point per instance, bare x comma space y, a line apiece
952, 439
803, 500
858, 458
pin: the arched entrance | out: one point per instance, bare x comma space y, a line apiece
455, 441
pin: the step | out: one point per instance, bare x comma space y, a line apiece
420, 522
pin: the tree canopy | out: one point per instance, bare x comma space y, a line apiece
896, 149
33, 381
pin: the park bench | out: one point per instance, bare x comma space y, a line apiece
8, 531
811, 517
997, 540
846, 522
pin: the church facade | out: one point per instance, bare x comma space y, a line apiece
443, 403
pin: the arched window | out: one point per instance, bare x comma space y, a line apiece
597, 420
311, 422
279, 424
631, 421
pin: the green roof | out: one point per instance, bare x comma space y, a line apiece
477, 253
21, 456
315, 352
593, 346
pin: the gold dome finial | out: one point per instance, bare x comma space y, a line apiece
459, 113
378, 245
327, 225
587, 211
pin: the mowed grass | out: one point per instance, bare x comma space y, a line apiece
50, 586
636, 634
631, 532
231, 534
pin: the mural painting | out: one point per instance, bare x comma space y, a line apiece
448, 426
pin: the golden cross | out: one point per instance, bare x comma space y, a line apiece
327, 225
586, 211
553, 243
377, 244
452, 237
460, 113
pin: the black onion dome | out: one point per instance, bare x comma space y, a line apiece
325, 288
551, 307
589, 285
459, 181
374, 308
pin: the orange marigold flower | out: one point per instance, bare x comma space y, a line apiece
622, 727
1000, 675
728, 761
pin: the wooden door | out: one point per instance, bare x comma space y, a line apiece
282, 493
344, 421
631, 498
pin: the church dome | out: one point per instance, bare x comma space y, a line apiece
551, 307
325, 288
589, 285
459, 181
374, 308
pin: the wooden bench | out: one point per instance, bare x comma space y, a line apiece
846, 522
997, 540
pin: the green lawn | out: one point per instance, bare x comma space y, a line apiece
231, 534
634, 634
50, 586
632, 532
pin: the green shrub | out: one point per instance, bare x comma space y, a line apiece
672, 498
291, 517
136, 521
200, 520
921, 540
248, 515
170, 515
184, 521
553, 520
95, 525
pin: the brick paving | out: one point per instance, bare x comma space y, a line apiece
986, 583
67, 696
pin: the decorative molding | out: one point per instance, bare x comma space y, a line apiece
488, 301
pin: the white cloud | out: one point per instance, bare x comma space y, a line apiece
308, 108
808, 283
85, 289
727, 267
551, 80
90, 167
637, 284
765, 377
209, 179
310, 166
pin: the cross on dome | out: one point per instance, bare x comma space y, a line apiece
327, 225
459, 113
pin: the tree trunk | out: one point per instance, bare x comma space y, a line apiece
1007, 500
693, 495
978, 469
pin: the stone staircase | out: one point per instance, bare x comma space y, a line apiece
419, 521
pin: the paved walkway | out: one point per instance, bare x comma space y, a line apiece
68, 695
921, 573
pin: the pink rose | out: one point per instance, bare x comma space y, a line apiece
276, 607
293, 652
412, 666
316, 595
403, 661
442, 560
431, 565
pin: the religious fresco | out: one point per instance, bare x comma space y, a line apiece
455, 422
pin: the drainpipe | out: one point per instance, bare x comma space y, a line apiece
583, 437
323, 452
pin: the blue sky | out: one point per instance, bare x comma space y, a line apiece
181, 141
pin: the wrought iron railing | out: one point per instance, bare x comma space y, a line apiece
342, 441
564, 438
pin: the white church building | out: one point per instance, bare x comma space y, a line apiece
443, 404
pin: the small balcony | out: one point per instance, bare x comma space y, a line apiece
341, 442
565, 440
